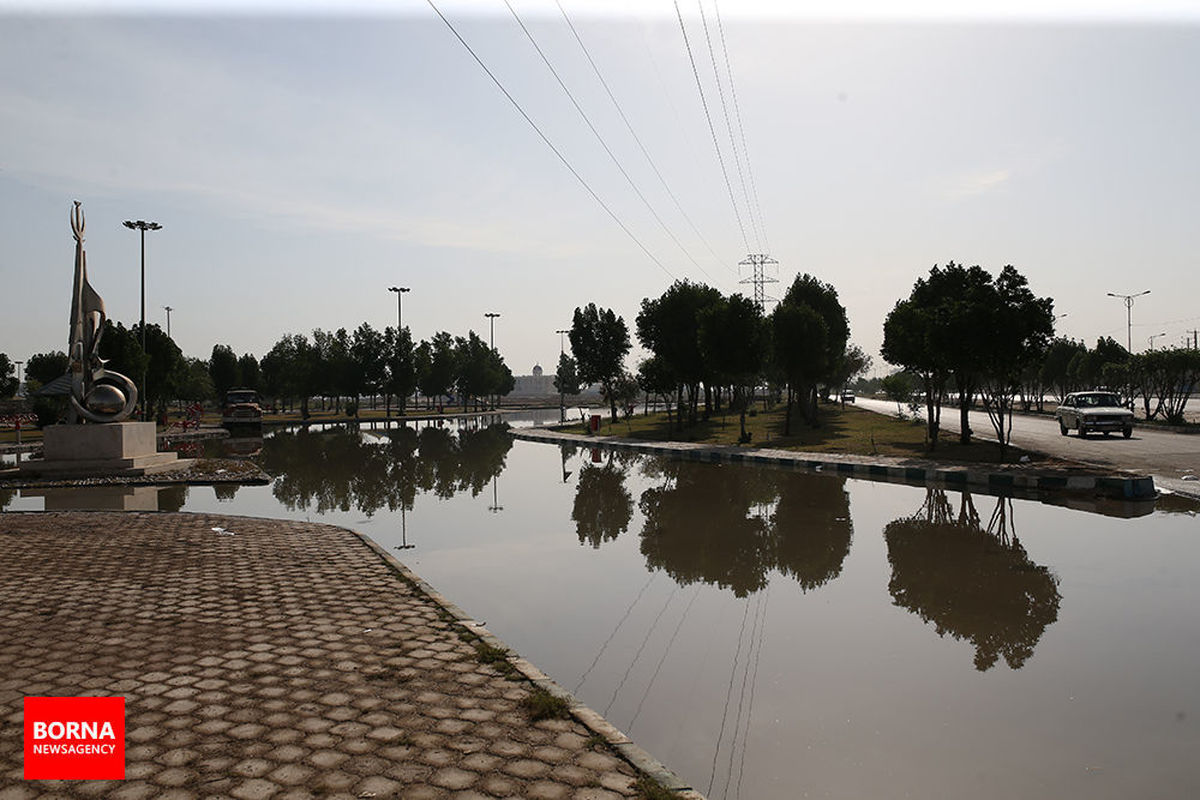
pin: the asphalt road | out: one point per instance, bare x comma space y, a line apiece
1167, 456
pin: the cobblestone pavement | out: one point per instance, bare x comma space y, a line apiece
269, 659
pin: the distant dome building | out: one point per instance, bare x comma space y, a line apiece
537, 370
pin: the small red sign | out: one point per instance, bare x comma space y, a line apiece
74, 738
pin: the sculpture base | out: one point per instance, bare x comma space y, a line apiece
103, 450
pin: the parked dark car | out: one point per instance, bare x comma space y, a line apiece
242, 408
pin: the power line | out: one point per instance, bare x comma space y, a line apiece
737, 159
587, 120
636, 138
546, 139
704, 102
762, 222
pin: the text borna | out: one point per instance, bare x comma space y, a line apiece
87, 731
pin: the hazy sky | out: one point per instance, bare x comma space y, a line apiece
302, 160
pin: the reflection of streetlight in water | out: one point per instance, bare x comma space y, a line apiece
495, 506
404, 545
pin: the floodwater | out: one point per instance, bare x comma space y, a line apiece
778, 634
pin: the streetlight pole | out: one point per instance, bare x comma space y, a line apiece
1128, 298
399, 290
18, 363
143, 226
562, 402
1154, 336
491, 315
168, 310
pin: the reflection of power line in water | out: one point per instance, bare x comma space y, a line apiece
583, 678
638, 654
666, 652
737, 654
756, 640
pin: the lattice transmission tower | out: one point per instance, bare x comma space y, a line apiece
758, 276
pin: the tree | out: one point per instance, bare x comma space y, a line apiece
401, 362
122, 349
668, 327
907, 343
734, 341
368, 357
854, 363
566, 377
809, 331
599, 343
8, 379
1056, 366
197, 382
166, 370
437, 360
474, 378
45, 367
1020, 328
250, 372
624, 393
223, 369
898, 387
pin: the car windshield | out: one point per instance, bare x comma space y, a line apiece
241, 397
1097, 400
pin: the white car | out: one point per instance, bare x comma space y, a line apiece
1092, 412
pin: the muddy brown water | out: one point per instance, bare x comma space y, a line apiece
778, 634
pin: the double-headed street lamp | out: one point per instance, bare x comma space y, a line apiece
491, 315
399, 290
143, 226
1128, 298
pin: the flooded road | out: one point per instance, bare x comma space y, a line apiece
779, 634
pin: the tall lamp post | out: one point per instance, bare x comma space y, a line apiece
18, 363
168, 309
1128, 298
1154, 336
491, 315
143, 226
562, 403
399, 290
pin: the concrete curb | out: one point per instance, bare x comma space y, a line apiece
878, 468
617, 741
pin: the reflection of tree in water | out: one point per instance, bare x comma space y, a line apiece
699, 526
225, 491
6, 497
603, 506
812, 529
338, 469
974, 583
172, 497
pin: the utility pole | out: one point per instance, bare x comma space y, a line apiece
756, 261
1195, 339
168, 309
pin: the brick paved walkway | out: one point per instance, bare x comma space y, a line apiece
268, 659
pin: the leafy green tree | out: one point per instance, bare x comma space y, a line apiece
599, 344
166, 370
438, 368
1056, 366
474, 378
8, 378
1020, 327
401, 362
1087, 368
287, 370
854, 362
734, 341
908, 343
224, 370
45, 367
898, 387
121, 347
566, 377
368, 354
250, 372
197, 382
809, 332
668, 327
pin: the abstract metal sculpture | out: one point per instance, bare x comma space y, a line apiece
97, 394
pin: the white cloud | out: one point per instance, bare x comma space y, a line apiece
975, 183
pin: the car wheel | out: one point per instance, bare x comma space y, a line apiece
1107, 434
1127, 432
1062, 427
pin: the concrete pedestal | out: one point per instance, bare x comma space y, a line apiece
112, 448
